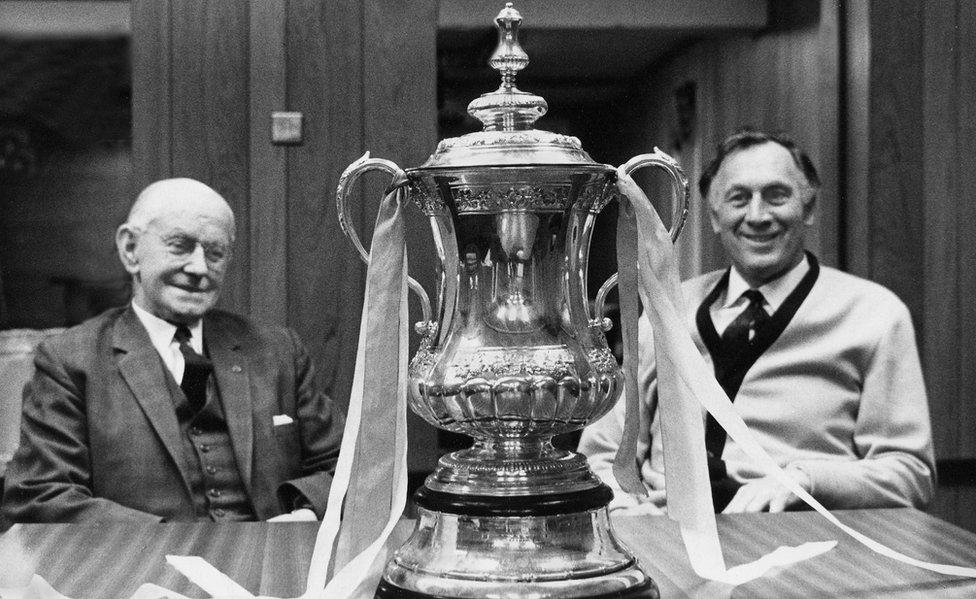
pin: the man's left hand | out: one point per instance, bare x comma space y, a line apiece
767, 494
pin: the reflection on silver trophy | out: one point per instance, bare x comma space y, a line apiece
512, 357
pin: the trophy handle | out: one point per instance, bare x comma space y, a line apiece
679, 209
346, 181
680, 190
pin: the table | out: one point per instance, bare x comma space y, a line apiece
111, 560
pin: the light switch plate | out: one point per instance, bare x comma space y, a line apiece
286, 128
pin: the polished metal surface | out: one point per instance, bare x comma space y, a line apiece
566, 556
512, 354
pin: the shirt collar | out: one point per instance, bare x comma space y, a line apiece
161, 331
774, 292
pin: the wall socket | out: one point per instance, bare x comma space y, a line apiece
286, 128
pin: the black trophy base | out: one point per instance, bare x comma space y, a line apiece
388, 590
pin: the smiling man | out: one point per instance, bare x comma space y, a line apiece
821, 365
170, 409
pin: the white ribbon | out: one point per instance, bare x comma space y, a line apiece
381, 371
684, 381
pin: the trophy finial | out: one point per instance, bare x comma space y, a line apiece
508, 108
509, 58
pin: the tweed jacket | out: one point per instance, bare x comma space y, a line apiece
100, 438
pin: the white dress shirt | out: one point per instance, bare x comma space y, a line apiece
161, 334
775, 292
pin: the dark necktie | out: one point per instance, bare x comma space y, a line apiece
196, 370
737, 337
742, 331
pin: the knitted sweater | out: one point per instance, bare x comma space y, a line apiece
838, 395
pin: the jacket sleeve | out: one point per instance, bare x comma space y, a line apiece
49, 477
321, 425
892, 432
599, 441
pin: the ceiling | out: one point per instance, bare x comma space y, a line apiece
579, 52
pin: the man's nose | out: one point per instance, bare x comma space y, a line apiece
756, 210
197, 261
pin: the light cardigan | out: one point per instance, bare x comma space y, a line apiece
839, 395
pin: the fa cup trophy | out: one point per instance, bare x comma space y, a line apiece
512, 357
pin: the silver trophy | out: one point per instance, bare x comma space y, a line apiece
513, 357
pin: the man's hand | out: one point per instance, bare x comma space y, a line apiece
767, 494
647, 508
299, 515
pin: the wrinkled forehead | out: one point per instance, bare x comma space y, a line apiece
196, 224
759, 166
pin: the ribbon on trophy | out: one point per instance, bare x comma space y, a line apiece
648, 267
369, 490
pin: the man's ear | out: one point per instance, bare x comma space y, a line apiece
126, 238
713, 218
809, 209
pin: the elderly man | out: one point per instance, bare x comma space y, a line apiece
820, 364
169, 409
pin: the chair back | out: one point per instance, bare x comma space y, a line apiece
16, 368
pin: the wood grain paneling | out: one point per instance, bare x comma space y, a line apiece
211, 117
400, 92
916, 229
785, 79
940, 344
895, 154
965, 34
916, 233
325, 276
151, 105
267, 163
856, 141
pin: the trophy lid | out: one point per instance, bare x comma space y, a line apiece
508, 114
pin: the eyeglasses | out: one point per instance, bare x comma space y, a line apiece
183, 245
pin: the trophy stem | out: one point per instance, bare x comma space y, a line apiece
512, 467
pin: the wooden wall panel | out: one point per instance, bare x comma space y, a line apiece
325, 276
190, 108
211, 117
856, 141
965, 199
940, 317
151, 106
916, 233
268, 187
400, 91
916, 229
895, 154
784, 79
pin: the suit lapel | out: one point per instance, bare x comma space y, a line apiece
233, 382
144, 373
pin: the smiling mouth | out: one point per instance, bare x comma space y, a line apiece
186, 289
759, 237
